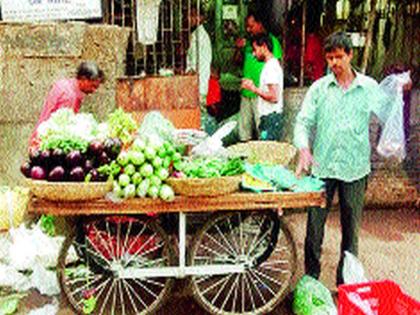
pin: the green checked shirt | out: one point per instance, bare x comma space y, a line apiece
341, 147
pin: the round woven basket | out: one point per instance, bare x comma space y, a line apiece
266, 152
69, 191
205, 186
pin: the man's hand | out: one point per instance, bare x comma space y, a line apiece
248, 85
306, 160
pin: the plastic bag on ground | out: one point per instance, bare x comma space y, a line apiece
49, 309
353, 271
392, 139
45, 281
311, 297
33, 245
10, 277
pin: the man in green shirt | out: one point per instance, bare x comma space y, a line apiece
338, 107
252, 68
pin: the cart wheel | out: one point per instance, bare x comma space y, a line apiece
257, 240
87, 266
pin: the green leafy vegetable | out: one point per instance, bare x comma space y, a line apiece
121, 125
48, 224
211, 167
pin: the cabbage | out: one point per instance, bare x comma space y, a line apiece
138, 145
153, 192
166, 193
162, 173
149, 153
155, 181
143, 187
129, 169
123, 180
136, 157
136, 178
157, 162
130, 191
146, 170
123, 158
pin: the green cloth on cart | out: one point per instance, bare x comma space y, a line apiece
283, 179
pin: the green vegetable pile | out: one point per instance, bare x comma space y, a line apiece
143, 169
121, 125
211, 167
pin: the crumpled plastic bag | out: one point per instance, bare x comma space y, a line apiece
311, 297
30, 246
353, 271
49, 309
155, 125
392, 139
213, 146
45, 281
10, 277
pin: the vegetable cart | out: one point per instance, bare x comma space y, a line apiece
121, 259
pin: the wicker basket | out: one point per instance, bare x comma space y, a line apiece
69, 191
205, 186
267, 152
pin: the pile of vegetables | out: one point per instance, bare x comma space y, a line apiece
73, 146
142, 170
57, 164
209, 167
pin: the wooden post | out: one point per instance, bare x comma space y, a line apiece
369, 35
302, 54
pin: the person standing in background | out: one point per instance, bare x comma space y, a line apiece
252, 69
69, 93
270, 91
199, 57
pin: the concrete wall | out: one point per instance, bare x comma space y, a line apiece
32, 57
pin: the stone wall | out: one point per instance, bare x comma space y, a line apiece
32, 57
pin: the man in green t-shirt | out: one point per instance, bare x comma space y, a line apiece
252, 67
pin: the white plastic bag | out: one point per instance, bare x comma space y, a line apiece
49, 309
353, 271
45, 281
213, 146
33, 245
392, 140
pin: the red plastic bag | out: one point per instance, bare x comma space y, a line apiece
375, 298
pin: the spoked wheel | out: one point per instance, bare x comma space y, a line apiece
257, 240
90, 265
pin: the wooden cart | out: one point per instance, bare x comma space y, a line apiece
122, 260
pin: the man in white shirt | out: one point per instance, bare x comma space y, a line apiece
270, 92
199, 58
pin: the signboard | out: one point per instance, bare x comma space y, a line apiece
44, 10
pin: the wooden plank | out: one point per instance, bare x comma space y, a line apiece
237, 201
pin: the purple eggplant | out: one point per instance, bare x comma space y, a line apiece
38, 172
77, 174
73, 159
103, 159
96, 148
57, 157
57, 174
88, 166
25, 168
34, 157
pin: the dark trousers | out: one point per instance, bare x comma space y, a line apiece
351, 199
